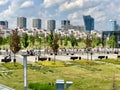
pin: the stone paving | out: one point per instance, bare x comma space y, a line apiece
31, 59
3, 87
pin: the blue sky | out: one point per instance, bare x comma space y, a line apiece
101, 10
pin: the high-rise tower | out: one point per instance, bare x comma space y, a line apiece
112, 25
21, 22
89, 23
36, 23
51, 25
65, 24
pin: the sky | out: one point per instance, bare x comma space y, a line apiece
101, 10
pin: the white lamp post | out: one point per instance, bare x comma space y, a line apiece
24, 54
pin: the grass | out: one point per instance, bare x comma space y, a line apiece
113, 61
82, 78
12, 65
85, 62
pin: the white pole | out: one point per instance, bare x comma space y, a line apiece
25, 70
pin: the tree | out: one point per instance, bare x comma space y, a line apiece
111, 41
1, 41
15, 44
25, 40
32, 39
50, 38
65, 41
88, 43
73, 41
95, 41
53, 42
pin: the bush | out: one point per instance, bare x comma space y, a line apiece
12, 66
51, 63
38, 86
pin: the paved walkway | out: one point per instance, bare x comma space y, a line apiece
3, 87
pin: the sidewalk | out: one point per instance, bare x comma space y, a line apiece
3, 87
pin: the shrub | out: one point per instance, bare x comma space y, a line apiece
39, 86
51, 63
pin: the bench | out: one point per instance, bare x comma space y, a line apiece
118, 56
79, 58
72, 53
67, 53
73, 58
42, 58
49, 59
6, 60
51, 53
101, 57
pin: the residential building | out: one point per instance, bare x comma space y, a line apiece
21, 22
36, 23
51, 25
65, 24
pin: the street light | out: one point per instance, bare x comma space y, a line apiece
24, 54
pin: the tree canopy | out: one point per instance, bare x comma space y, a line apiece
15, 45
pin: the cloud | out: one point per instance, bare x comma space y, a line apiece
27, 4
50, 3
71, 5
100, 10
3, 2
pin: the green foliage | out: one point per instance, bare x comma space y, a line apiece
37, 38
53, 42
12, 66
88, 41
111, 41
50, 38
25, 40
95, 41
39, 86
73, 41
32, 39
65, 40
15, 45
1, 40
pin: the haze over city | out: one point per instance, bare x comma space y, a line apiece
72, 10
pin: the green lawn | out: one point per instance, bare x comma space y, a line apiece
84, 77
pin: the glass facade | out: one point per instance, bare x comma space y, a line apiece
4, 24
89, 23
112, 25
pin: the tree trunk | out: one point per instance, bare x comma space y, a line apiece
14, 60
87, 55
54, 58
